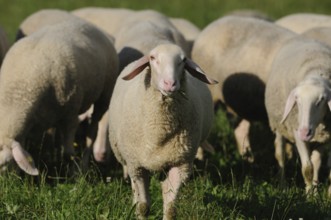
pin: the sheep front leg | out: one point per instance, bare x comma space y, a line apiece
316, 160
241, 134
140, 185
280, 156
307, 167
170, 186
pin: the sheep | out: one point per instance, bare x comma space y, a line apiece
40, 19
297, 99
239, 58
158, 116
301, 22
189, 30
249, 13
319, 33
153, 26
47, 79
108, 19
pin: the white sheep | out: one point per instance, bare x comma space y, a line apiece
251, 13
240, 58
141, 32
39, 19
158, 116
189, 30
108, 19
47, 79
322, 34
301, 22
297, 100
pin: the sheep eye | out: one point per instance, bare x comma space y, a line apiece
182, 61
152, 57
320, 100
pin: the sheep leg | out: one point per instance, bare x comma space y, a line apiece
329, 166
140, 185
68, 131
316, 160
100, 148
307, 167
280, 156
99, 109
241, 134
170, 186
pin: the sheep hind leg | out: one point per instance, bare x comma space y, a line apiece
170, 187
241, 133
68, 130
280, 156
140, 186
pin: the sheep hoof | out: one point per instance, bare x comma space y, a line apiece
248, 156
170, 212
142, 210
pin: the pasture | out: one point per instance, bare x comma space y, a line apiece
223, 186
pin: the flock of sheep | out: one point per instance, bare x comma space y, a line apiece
147, 85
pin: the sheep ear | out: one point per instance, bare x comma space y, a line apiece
291, 99
197, 72
23, 159
138, 66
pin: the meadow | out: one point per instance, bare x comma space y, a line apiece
223, 186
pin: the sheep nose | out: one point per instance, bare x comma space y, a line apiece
169, 85
306, 134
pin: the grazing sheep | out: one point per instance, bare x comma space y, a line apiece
47, 79
297, 100
300, 22
141, 32
249, 13
4, 45
240, 58
158, 117
322, 34
108, 19
40, 19
189, 30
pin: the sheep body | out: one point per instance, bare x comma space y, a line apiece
321, 34
50, 77
143, 31
152, 131
301, 22
240, 59
301, 65
109, 20
41, 19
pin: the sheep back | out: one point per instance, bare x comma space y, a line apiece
40, 19
300, 22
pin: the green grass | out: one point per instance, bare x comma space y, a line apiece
222, 187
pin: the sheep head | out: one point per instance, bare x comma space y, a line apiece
167, 63
22, 158
313, 97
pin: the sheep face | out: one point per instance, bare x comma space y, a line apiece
312, 98
168, 64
